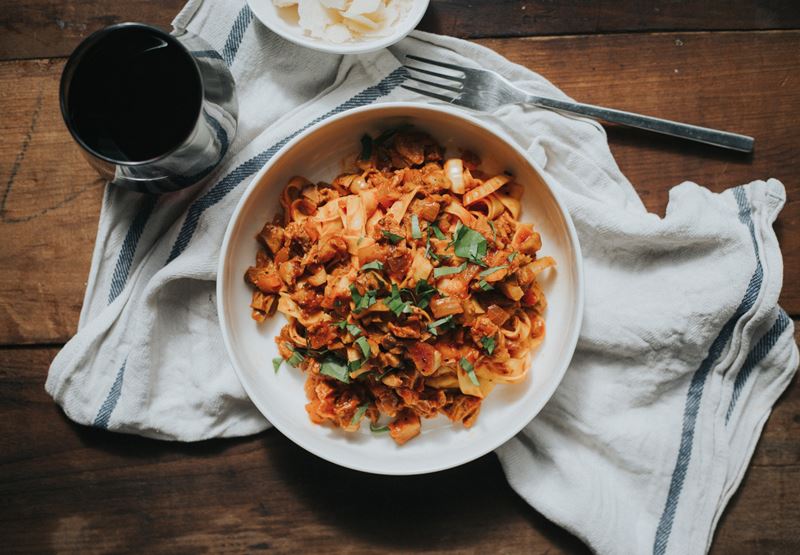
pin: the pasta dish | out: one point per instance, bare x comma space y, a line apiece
409, 285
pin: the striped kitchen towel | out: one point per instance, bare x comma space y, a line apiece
682, 353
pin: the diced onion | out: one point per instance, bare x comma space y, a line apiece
454, 168
445, 306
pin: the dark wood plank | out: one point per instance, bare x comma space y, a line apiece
51, 197
48, 211
70, 488
52, 28
49, 28
515, 18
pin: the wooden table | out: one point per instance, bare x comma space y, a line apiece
729, 64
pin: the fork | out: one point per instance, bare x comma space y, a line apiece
484, 90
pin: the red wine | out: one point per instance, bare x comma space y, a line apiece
135, 96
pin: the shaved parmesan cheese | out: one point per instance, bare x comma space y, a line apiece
359, 22
359, 7
340, 21
334, 4
338, 33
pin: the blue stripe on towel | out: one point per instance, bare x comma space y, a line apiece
104, 414
236, 35
251, 166
695, 393
756, 355
126, 253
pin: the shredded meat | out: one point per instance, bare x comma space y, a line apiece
272, 236
320, 335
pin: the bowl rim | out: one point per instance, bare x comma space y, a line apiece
414, 16
502, 436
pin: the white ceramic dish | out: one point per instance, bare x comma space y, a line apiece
283, 21
318, 154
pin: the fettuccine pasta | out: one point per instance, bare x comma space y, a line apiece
410, 286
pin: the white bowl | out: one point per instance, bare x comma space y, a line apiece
318, 154
281, 21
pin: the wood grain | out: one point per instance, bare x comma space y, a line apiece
68, 488
48, 211
514, 18
49, 28
52, 198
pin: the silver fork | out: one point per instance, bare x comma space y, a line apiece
485, 90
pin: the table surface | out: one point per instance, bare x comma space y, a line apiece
732, 64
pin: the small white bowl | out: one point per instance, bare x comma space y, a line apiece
318, 155
280, 21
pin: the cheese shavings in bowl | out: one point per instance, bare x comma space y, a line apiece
341, 21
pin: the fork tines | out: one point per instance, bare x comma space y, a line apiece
436, 63
456, 82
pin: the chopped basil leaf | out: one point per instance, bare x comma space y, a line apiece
484, 286
366, 147
440, 323
374, 265
276, 363
363, 344
353, 330
488, 344
378, 429
355, 294
354, 365
335, 369
415, 231
436, 231
447, 270
469, 369
494, 231
341, 324
362, 301
396, 304
359, 413
296, 359
512, 256
493, 269
469, 243
423, 292
394, 238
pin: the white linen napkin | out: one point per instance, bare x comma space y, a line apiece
682, 353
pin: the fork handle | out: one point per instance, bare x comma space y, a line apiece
723, 139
